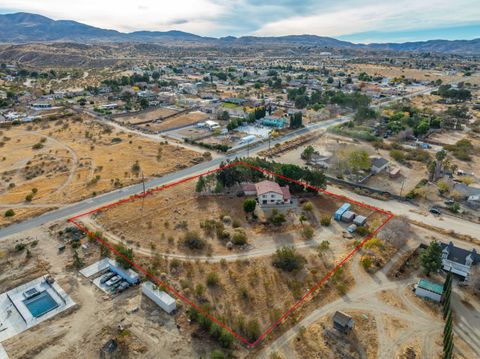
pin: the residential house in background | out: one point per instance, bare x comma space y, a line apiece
458, 260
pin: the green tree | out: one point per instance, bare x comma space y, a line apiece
225, 338
200, 187
143, 103
431, 258
124, 257
296, 120
307, 153
249, 205
287, 259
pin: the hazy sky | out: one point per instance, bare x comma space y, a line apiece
355, 20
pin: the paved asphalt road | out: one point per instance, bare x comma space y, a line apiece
110, 197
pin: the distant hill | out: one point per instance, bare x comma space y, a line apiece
27, 28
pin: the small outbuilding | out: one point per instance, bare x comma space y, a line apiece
360, 220
162, 299
348, 216
338, 214
429, 290
379, 164
127, 274
343, 322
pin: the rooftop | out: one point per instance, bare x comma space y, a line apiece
268, 186
431, 287
342, 318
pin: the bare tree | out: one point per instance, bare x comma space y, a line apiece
396, 232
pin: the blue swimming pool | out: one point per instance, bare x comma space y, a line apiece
40, 304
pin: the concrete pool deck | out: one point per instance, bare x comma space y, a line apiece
15, 317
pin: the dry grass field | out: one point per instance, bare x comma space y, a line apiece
54, 163
320, 340
418, 74
150, 115
237, 283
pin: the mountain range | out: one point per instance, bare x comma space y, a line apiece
27, 28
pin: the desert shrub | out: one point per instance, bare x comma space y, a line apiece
325, 221
362, 230
239, 238
212, 279
19, 247
9, 213
193, 240
252, 330
29, 197
308, 206
236, 223
398, 155
277, 218
287, 259
199, 290
324, 245
209, 226
366, 262
175, 264
373, 242
217, 354
307, 232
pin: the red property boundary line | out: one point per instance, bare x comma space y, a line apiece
186, 300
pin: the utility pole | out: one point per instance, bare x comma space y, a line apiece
143, 197
403, 183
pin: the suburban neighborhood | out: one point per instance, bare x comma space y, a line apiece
276, 196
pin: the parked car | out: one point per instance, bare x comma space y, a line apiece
112, 281
435, 211
449, 202
107, 276
123, 285
352, 228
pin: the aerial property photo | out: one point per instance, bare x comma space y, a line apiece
217, 231
225, 179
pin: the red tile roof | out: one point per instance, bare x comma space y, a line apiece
286, 193
268, 186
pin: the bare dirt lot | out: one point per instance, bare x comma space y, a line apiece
149, 115
320, 340
175, 122
49, 164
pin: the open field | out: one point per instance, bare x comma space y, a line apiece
149, 115
219, 273
418, 74
54, 163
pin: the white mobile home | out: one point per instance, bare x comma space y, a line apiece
162, 299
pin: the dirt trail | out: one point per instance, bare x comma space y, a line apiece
421, 324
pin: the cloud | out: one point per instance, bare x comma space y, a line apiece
260, 17
371, 16
194, 15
